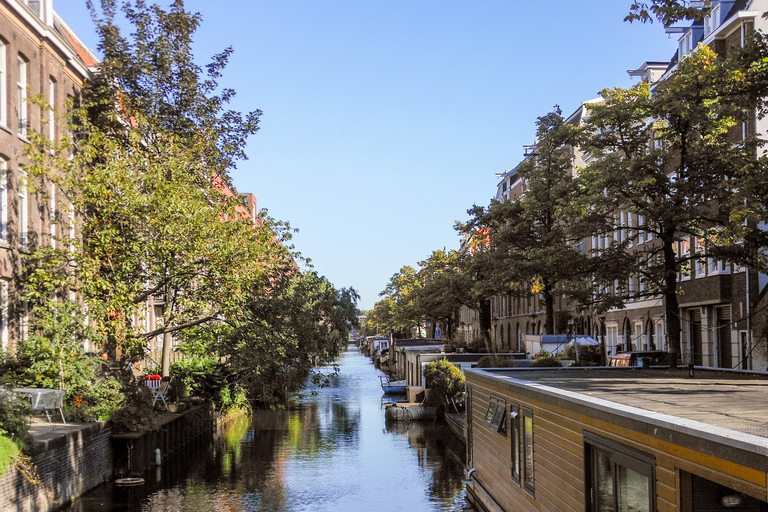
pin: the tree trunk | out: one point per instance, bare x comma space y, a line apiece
485, 323
165, 365
671, 306
549, 310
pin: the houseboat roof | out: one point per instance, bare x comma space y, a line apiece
732, 400
729, 407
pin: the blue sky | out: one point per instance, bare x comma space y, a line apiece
384, 121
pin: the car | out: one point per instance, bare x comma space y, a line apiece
655, 358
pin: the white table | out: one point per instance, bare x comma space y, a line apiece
44, 399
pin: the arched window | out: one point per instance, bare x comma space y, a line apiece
627, 335
649, 335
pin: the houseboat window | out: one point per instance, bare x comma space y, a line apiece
528, 449
514, 428
620, 479
496, 415
469, 426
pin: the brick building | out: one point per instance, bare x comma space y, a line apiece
39, 55
718, 301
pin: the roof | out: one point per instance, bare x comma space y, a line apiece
727, 399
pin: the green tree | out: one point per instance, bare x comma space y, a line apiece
403, 294
533, 238
443, 289
445, 382
291, 324
671, 159
152, 144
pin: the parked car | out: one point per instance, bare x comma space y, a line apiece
655, 357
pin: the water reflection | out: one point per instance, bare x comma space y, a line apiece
333, 452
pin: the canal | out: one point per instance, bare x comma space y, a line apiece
332, 452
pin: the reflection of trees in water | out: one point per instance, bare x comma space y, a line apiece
439, 452
317, 429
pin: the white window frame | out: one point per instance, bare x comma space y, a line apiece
23, 209
22, 92
71, 226
3, 201
24, 322
52, 213
3, 85
52, 111
701, 263
4, 304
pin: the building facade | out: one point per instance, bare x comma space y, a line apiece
719, 303
39, 56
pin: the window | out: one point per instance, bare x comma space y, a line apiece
686, 44
70, 127
619, 478
23, 209
469, 408
527, 450
71, 223
3, 200
52, 214
4, 314
24, 322
52, 111
3, 90
496, 415
22, 104
514, 429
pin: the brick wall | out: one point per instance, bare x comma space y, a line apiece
68, 466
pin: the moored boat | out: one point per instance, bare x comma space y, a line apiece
392, 386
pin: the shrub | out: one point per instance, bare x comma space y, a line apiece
444, 380
589, 355
135, 413
201, 376
495, 362
545, 360
13, 422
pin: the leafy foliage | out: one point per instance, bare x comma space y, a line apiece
678, 174
291, 324
495, 361
545, 360
589, 355
445, 381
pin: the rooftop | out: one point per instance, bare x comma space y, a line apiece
730, 400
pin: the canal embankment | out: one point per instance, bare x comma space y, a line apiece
68, 460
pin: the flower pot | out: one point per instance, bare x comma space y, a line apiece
176, 408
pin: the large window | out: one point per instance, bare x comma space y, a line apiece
52, 215
469, 407
22, 96
527, 443
3, 89
619, 478
52, 111
4, 314
23, 209
496, 414
514, 430
3, 200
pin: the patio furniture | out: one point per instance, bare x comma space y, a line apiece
159, 388
45, 400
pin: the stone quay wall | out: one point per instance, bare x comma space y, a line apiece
67, 466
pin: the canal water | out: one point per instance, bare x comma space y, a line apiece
333, 452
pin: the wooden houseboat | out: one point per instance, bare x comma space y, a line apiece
617, 439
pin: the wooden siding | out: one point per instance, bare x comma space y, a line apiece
559, 456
